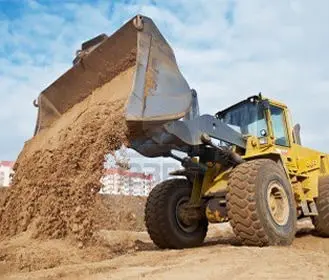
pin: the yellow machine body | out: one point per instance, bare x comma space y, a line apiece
303, 166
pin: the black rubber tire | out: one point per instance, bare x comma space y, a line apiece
247, 205
321, 222
160, 216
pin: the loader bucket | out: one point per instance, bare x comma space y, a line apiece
159, 92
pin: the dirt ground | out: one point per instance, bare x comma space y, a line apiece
135, 257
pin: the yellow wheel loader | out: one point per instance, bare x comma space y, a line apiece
245, 164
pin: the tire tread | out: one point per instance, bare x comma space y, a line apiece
321, 222
155, 216
241, 204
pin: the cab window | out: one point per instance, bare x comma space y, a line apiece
279, 126
247, 118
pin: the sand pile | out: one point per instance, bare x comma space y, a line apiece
23, 253
3, 195
57, 174
119, 212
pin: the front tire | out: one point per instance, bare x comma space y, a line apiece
162, 221
261, 206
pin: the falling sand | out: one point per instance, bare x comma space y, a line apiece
57, 175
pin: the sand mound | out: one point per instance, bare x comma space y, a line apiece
119, 212
22, 253
57, 174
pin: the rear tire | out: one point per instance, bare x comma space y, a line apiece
261, 206
321, 222
161, 219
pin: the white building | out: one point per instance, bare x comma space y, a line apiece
115, 180
6, 169
119, 181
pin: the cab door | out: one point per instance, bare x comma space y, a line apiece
279, 127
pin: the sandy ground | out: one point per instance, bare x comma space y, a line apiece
219, 258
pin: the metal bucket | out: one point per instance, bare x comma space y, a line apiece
159, 92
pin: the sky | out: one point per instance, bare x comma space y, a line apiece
226, 49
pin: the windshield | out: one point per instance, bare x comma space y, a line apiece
247, 118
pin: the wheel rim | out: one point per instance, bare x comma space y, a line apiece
183, 226
278, 204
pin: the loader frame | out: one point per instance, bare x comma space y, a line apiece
302, 166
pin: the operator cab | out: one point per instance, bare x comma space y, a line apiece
249, 117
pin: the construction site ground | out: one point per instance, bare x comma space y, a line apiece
131, 255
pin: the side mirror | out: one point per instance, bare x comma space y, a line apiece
296, 134
265, 104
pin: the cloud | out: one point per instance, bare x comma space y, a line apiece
226, 49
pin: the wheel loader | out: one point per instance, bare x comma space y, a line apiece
245, 164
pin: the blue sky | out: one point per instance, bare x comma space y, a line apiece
227, 50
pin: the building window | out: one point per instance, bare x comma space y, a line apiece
2, 178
